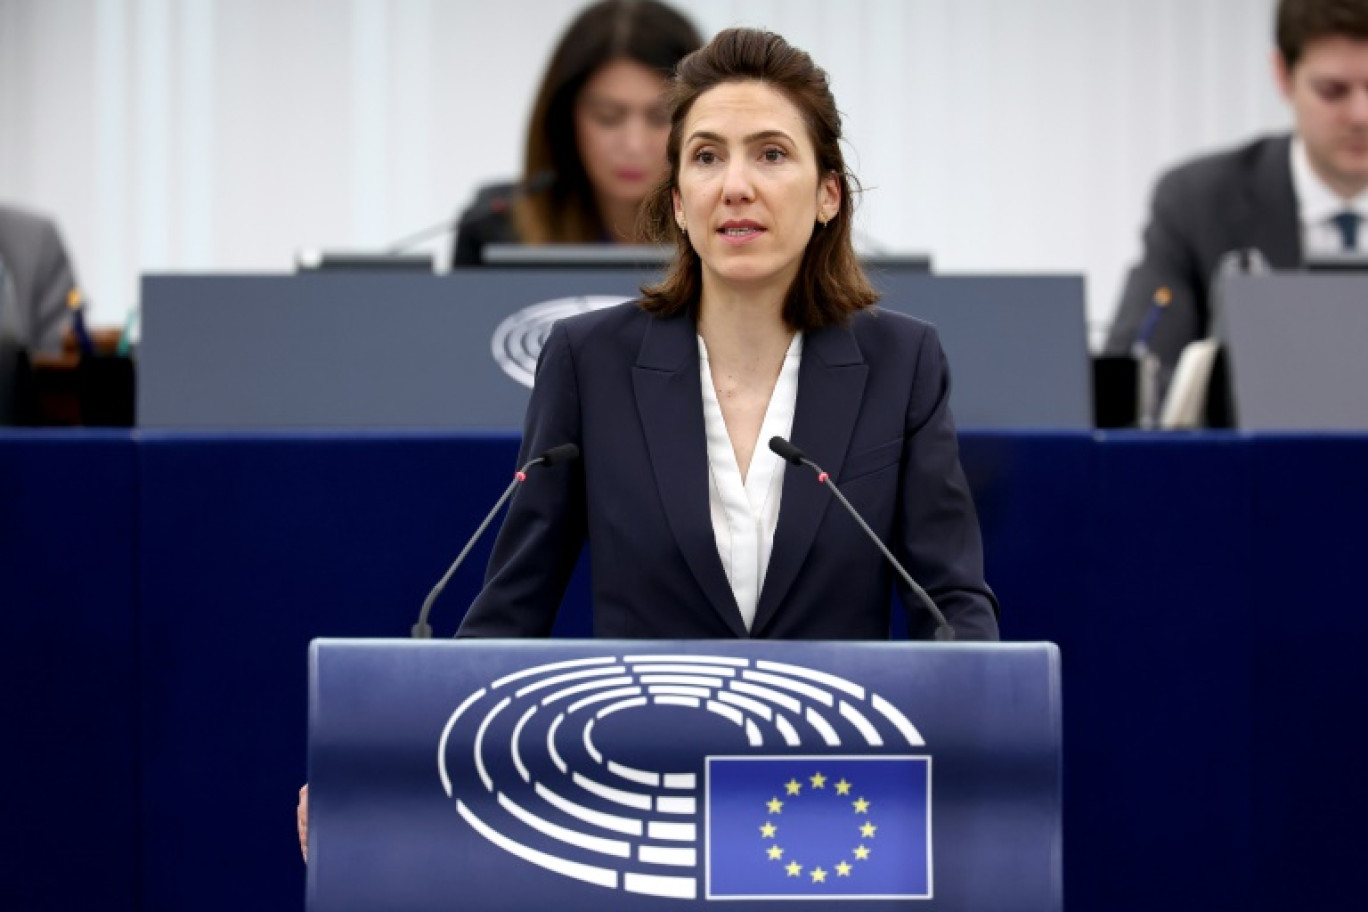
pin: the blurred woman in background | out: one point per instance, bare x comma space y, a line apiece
596, 140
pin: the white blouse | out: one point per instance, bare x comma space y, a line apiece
745, 514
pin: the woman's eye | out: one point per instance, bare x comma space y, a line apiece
774, 155
705, 157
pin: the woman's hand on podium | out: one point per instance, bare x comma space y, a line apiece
302, 821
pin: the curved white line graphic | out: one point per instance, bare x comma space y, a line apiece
513, 744
543, 669
768, 701
446, 733
479, 743
568, 676
603, 877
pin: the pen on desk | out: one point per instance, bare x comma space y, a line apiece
76, 304
1162, 298
1148, 384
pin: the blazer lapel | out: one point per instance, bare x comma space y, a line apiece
669, 398
831, 382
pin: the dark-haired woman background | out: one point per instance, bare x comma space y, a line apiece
596, 138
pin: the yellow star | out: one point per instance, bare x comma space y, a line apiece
843, 869
794, 787
843, 788
817, 780
776, 853
794, 869
775, 806
818, 875
861, 853
867, 831
768, 830
861, 806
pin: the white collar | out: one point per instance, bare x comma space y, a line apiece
1316, 202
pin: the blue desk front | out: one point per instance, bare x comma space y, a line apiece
1203, 590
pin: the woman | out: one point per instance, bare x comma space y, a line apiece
596, 142
763, 327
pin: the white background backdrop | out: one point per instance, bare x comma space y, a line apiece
998, 135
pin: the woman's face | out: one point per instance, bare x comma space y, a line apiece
749, 191
621, 127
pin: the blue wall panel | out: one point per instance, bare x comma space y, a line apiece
68, 801
1310, 685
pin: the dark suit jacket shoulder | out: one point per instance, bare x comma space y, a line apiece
487, 220
625, 387
1239, 199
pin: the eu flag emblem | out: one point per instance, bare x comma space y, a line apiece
832, 826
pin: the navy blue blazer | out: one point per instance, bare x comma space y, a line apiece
624, 386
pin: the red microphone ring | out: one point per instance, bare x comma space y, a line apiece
822, 478
521, 476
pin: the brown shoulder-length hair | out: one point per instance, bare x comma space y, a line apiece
563, 207
830, 285
1299, 22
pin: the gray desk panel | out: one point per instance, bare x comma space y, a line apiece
394, 350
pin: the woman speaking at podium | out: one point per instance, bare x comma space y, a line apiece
596, 138
763, 327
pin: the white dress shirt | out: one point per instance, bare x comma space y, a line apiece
1317, 204
745, 514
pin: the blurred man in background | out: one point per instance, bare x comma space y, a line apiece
1289, 197
38, 282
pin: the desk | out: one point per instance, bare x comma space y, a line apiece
1204, 589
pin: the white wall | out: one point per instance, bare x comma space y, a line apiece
1000, 135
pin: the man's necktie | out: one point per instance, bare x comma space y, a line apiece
1348, 225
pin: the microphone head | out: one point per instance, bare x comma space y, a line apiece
566, 452
786, 451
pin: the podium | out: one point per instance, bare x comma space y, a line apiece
501, 775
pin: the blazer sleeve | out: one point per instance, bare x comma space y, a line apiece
938, 535
545, 529
1170, 261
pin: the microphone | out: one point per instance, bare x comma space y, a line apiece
566, 452
790, 453
495, 205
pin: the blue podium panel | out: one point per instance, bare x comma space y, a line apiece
622, 775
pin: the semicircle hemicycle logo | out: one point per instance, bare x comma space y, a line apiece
518, 340
763, 780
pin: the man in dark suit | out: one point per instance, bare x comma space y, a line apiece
1284, 196
38, 281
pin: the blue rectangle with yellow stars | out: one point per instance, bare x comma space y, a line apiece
819, 827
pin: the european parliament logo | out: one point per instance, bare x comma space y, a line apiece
695, 777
